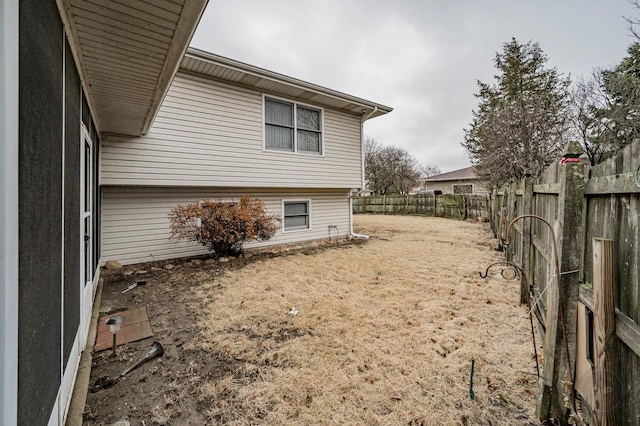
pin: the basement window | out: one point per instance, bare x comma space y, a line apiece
296, 215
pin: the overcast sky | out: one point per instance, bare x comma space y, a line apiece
420, 57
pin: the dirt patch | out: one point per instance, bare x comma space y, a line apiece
377, 332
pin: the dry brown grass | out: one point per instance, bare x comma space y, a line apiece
385, 334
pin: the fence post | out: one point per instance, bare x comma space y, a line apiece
604, 329
527, 208
562, 312
465, 207
493, 210
512, 212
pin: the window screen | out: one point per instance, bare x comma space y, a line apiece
286, 131
278, 125
296, 215
308, 130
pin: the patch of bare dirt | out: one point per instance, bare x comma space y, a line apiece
343, 332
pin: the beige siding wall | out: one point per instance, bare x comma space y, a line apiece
209, 133
447, 186
135, 227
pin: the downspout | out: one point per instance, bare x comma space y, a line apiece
362, 184
362, 120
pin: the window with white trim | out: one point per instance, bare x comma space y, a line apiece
292, 127
463, 189
296, 215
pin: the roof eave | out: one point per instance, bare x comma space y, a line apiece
185, 29
366, 106
116, 108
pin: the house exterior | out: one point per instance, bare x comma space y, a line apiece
92, 163
72, 72
227, 129
461, 181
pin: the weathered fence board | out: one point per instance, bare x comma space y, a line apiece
626, 329
604, 329
455, 206
582, 203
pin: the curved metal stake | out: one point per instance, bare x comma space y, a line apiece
555, 307
523, 277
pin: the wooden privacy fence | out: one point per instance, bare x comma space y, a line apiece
591, 347
456, 206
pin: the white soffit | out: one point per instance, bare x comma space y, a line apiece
228, 70
129, 51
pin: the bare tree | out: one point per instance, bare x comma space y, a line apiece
428, 170
406, 170
389, 169
590, 126
633, 22
376, 173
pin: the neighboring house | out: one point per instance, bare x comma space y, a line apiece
226, 129
71, 72
366, 192
461, 181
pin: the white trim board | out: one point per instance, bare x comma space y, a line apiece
9, 49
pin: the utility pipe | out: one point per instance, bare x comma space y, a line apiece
557, 276
362, 120
362, 183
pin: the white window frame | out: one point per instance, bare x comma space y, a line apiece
292, 201
453, 188
229, 201
295, 127
9, 217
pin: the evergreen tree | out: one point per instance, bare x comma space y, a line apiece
521, 122
620, 117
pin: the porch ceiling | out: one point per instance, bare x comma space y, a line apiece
129, 51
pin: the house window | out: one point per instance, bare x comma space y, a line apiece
292, 127
296, 215
463, 189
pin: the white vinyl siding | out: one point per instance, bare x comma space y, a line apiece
210, 134
135, 226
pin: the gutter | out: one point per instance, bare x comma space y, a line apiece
362, 120
274, 77
362, 184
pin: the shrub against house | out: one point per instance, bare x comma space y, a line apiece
222, 226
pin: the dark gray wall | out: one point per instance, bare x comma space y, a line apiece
71, 203
40, 209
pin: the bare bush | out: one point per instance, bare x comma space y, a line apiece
222, 226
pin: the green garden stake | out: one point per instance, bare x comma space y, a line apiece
471, 394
